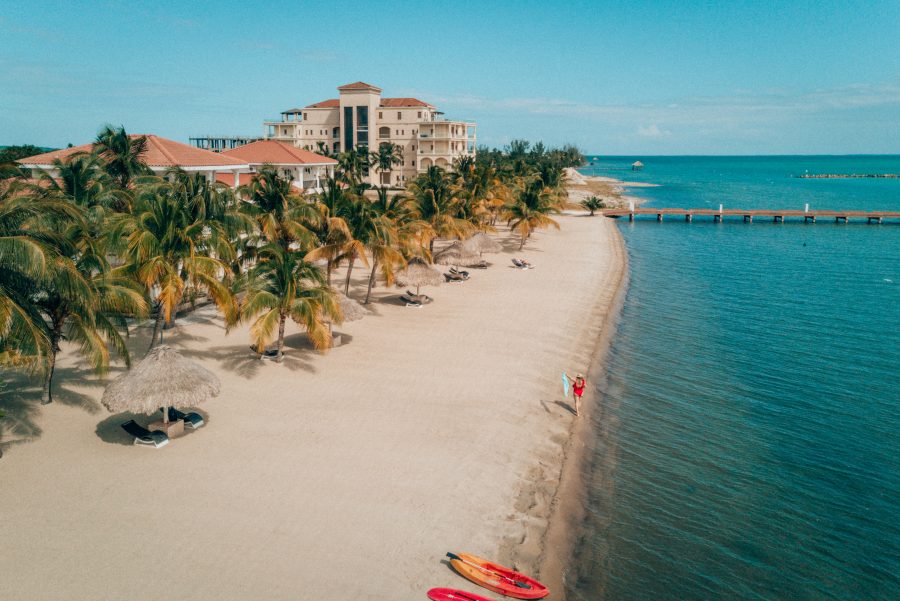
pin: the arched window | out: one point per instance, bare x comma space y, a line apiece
384, 132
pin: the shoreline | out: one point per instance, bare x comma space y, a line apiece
569, 503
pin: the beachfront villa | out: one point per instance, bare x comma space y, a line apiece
360, 117
307, 170
233, 167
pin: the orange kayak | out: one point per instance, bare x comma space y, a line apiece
497, 578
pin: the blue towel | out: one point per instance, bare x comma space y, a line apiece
565, 385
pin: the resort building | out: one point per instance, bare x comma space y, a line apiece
306, 169
360, 117
161, 155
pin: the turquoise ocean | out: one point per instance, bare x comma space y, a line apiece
748, 425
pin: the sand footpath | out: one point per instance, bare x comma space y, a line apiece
338, 476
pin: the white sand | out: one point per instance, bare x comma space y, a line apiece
343, 476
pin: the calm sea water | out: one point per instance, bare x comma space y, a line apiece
749, 427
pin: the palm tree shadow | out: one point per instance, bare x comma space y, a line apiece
21, 411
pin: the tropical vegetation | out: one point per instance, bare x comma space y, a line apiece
100, 243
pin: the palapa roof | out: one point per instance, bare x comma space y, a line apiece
637, 164
276, 153
454, 254
351, 309
482, 243
164, 378
418, 273
161, 153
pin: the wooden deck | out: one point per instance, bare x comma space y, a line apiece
776, 215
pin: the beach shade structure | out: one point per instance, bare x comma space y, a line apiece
350, 308
161, 380
481, 243
455, 254
637, 166
418, 273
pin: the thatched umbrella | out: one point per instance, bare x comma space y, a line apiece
418, 273
351, 309
162, 379
481, 243
455, 254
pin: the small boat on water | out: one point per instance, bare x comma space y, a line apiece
452, 594
497, 578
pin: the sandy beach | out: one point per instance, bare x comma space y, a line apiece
339, 476
610, 190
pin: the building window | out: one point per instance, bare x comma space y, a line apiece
336, 132
384, 132
348, 128
305, 116
399, 116
420, 114
380, 115
414, 163
414, 146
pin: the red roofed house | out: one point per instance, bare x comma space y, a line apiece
305, 168
361, 117
161, 155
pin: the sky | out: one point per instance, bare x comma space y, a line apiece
633, 78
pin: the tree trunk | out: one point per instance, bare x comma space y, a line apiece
349, 272
280, 356
328, 272
55, 335
522, 245
371, 280
156, 328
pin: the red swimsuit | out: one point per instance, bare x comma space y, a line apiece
578, 390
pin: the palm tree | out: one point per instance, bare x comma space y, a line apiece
438, 204
26, 253
387, 155
284, 284
122, 154
331, 231
166, 251
362, 225
281, 215
592, 204
531, 209
352, 166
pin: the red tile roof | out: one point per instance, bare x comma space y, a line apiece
331, 103
276, 153
359, 85
160, 152
401, 102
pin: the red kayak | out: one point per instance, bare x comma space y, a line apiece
497, 578
452, 594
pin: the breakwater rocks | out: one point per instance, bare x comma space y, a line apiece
848, 175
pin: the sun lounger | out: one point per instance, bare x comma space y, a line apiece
455, 277
522, 264
142, 435
418, 298
455, 271
191, 420
410, 302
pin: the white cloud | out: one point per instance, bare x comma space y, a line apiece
652, 131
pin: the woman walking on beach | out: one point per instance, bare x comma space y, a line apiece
577, 388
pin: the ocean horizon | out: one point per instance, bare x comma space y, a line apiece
746, 425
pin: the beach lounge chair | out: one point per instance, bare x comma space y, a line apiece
455, 271
522, 264
419, 298
142, 435
191, 420
455, 277
410, 301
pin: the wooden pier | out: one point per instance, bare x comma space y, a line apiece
776, 215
